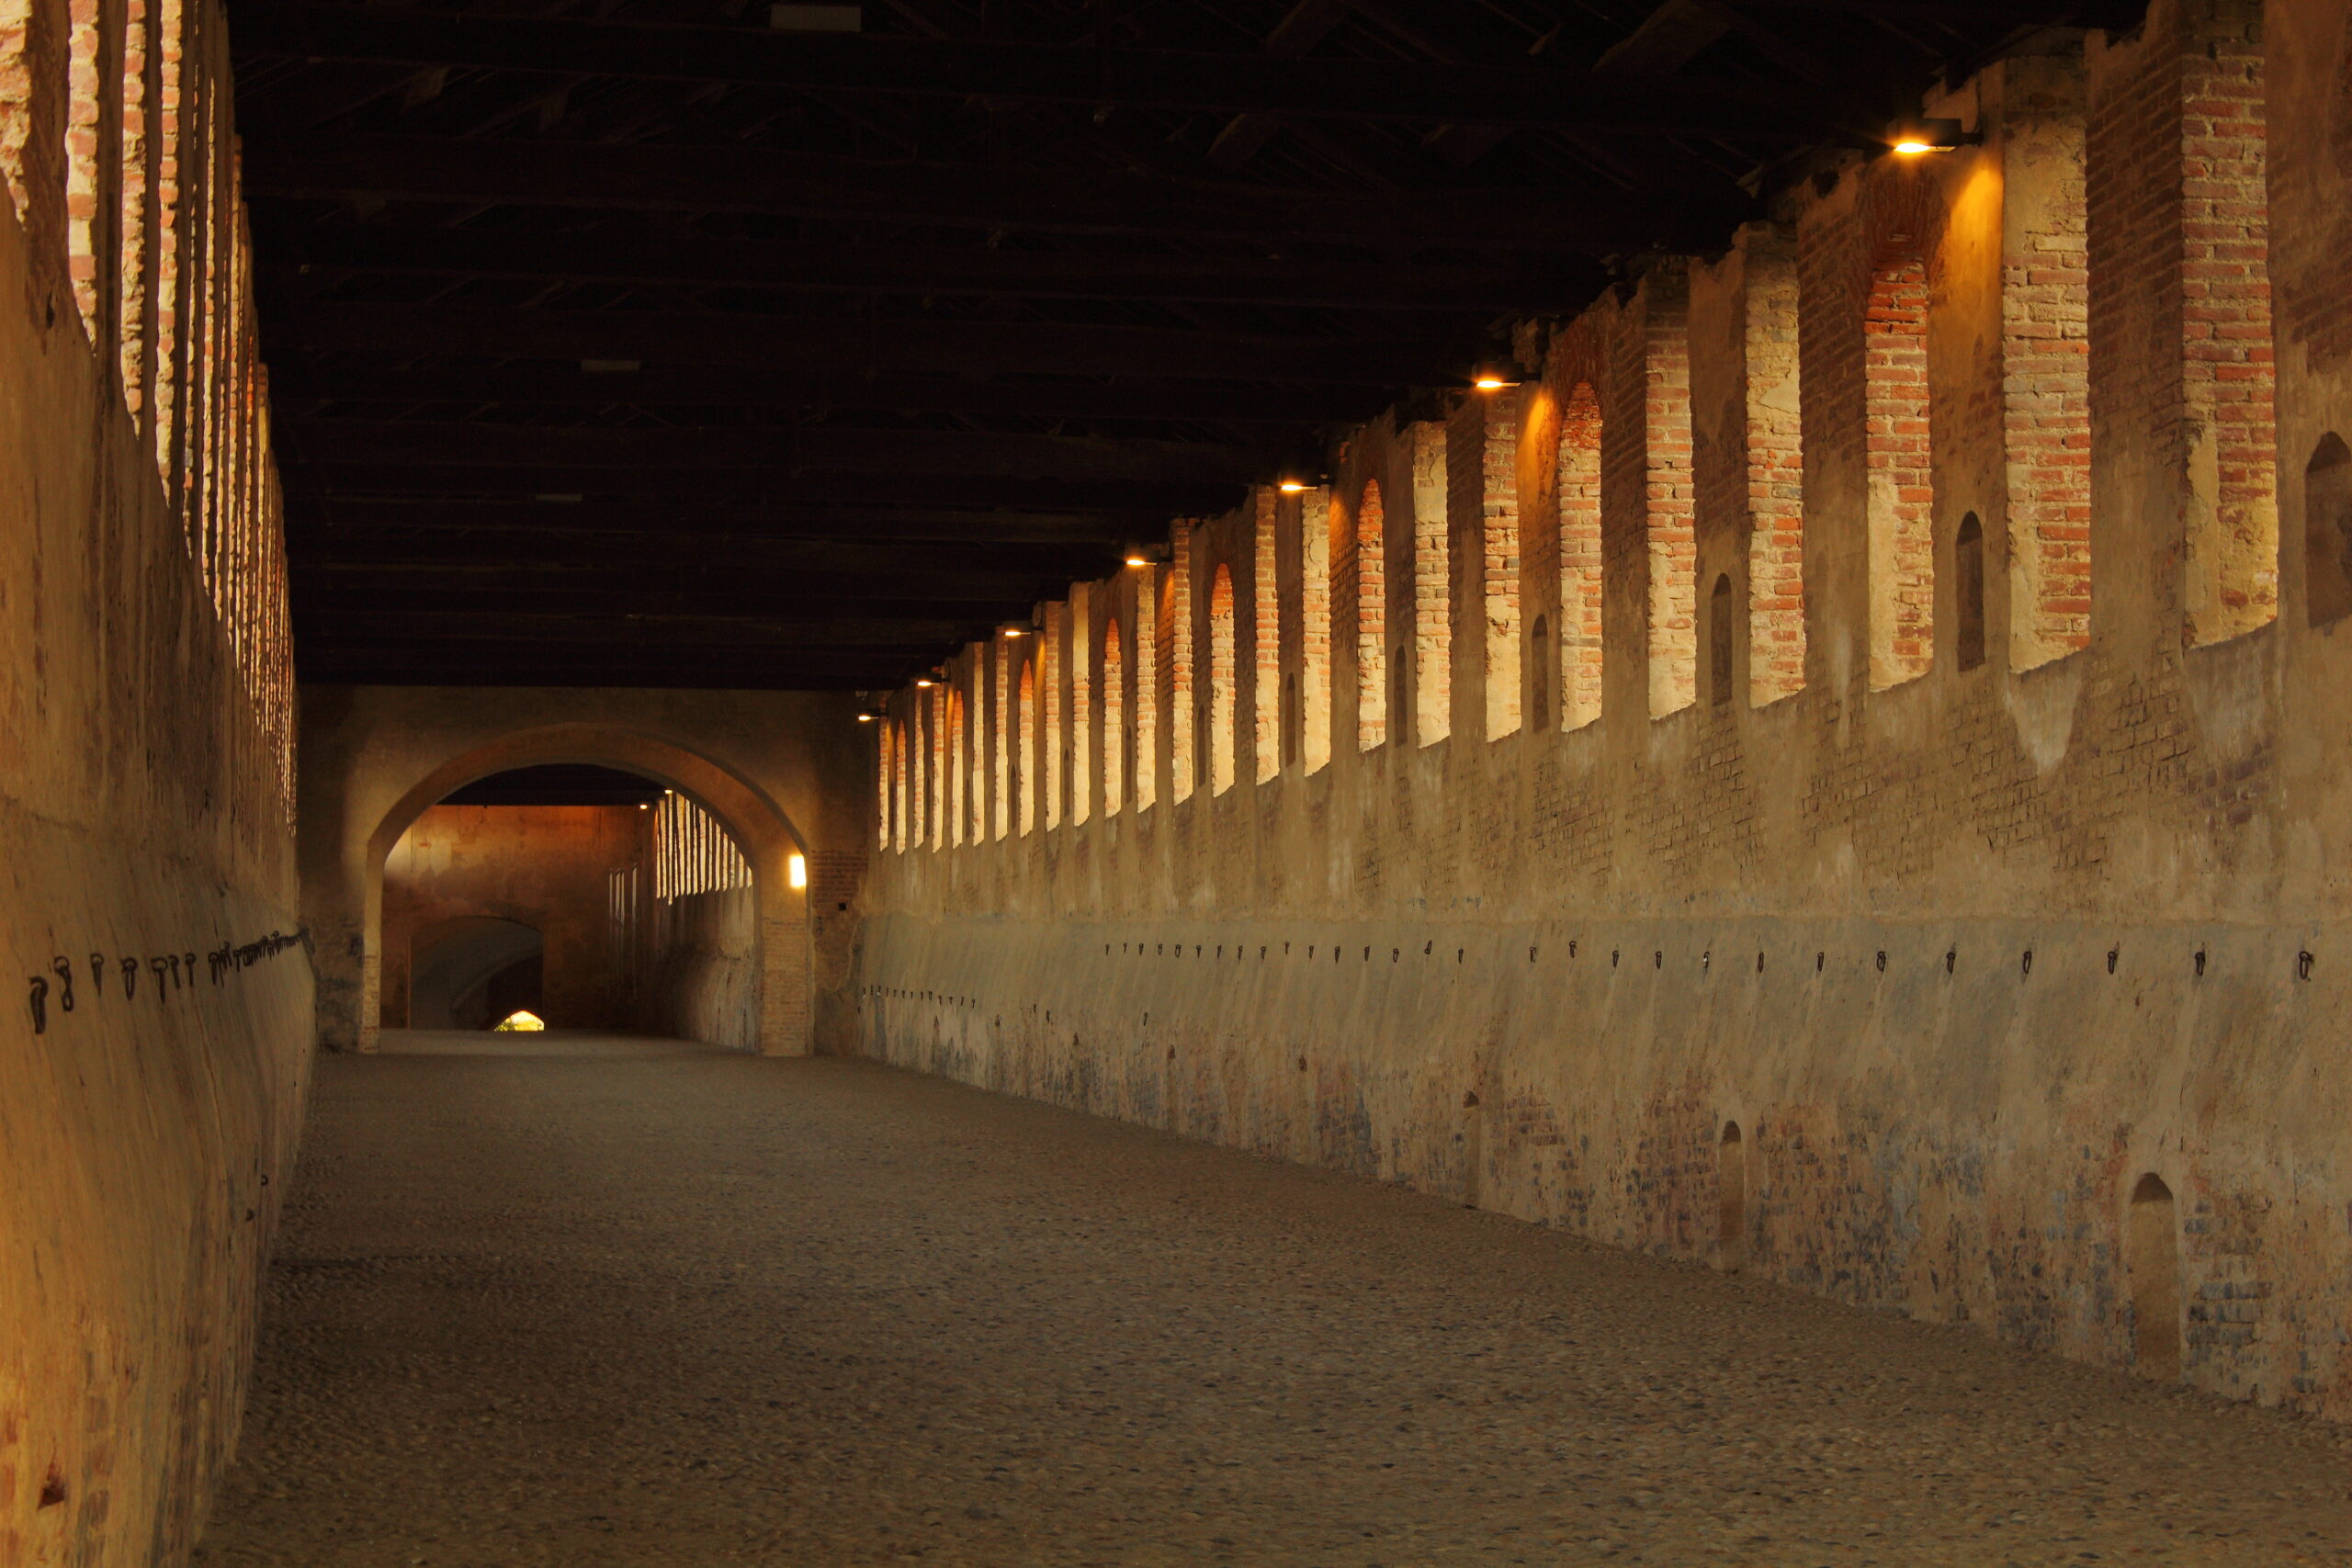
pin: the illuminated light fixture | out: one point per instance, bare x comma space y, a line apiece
796, 870
1016, 631
926, 681
865, 718
522, 1020
645, 805
1912, 137
1492, 378
1136, 557
1290, 484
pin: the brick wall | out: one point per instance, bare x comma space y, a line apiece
1966, 954
1774, 454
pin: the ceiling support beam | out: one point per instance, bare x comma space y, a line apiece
689, 259
845, 347
781, 448
978, 68
663, 177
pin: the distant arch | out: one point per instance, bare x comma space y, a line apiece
469, 971
760, 827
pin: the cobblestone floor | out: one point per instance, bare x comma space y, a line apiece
590, 1302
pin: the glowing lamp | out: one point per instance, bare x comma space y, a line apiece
1913, 138
1290, 486
796, 870
926, 681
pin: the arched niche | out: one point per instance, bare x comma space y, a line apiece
757, 824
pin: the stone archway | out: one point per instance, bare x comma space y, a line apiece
758, 825
460, 961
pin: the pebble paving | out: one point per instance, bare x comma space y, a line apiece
592, 1301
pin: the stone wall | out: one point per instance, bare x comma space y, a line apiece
1967, 845
154, 1053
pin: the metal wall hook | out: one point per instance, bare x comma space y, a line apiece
62, 968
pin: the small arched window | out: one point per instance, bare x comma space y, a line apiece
1719, 649
1731, 1201
1539, 675
1401, 717
2151, 1249
1968, 591
1291, 719
2327, 531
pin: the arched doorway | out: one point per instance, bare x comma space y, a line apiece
470, 972
758, 829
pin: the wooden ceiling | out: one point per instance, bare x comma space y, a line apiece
691, 343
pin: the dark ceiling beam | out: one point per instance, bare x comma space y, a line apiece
831, 448
696, 260
1304, 25
908, 637
342, 517
888, 561
294, 381
600, 664
1006, 71
705, 586
756, 487
839, 345
662, 176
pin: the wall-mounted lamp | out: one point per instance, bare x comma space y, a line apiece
1291, 484
796, 870
867, 717
1913, 137
645, 805
1016, 631
926, 681
1493, 377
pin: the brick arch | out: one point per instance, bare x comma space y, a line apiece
1901, 210
1903, 215
758, 825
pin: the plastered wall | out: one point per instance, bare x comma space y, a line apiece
148, 1124
1958, 810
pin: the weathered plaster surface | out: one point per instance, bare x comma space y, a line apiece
144, 1139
